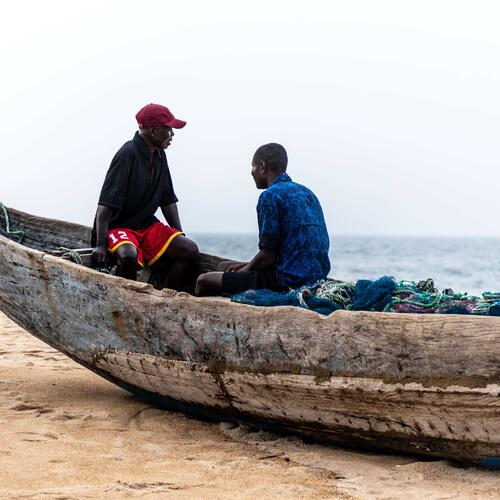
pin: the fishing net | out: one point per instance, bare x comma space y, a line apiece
384, 294
305, 298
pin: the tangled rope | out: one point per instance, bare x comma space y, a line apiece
68, 253
336, 291
74, 256
8, 232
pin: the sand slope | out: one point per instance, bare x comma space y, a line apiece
66, 433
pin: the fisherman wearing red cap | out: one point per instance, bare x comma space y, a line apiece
137, 183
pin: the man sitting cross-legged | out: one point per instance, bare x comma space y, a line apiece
293, 239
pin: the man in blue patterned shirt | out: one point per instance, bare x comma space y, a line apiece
293, 239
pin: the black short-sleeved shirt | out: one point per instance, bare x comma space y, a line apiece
137, 183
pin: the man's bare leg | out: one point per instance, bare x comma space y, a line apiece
180, 253
179, 270
209, 284
126, 261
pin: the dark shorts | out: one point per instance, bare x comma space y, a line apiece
240, 281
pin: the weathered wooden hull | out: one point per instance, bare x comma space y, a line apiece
426, 384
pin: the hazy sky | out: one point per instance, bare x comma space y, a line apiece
389, 110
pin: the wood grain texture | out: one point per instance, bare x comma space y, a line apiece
420, 383
350, 410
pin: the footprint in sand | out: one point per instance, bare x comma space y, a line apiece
37, 437
85, 417
10, 394
35, 353
38, 409
158, 487
61, 417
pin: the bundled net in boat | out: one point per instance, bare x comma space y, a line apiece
298, 298
384, 294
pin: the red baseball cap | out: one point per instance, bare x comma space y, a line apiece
156, 115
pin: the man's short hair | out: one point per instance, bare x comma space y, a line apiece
273, 155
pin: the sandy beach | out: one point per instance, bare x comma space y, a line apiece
67, 433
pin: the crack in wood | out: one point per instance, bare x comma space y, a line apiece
184, 331
226, 395
282, 347
237, 342
251, 352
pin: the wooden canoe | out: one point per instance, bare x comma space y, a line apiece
424, 384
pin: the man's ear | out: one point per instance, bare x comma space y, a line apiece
263, 166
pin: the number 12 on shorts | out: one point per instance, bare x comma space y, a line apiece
122, 234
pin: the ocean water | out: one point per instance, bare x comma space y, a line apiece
464, 264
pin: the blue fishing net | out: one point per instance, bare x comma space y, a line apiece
373, 295
298, 298
384, 294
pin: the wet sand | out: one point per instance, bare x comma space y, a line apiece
67, 433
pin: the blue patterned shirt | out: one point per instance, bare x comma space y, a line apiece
291, 223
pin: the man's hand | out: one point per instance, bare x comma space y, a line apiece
99, 255
230, 266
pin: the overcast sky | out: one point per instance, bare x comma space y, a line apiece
389, 111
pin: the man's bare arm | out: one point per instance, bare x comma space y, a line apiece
103, 219
171, 215
262, 260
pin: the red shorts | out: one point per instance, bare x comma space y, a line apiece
151, 242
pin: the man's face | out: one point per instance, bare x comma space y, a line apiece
162, 136
258, 174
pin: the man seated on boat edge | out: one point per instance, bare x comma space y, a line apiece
137, 183
293, 238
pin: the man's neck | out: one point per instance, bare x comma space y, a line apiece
147, 141
273, 176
